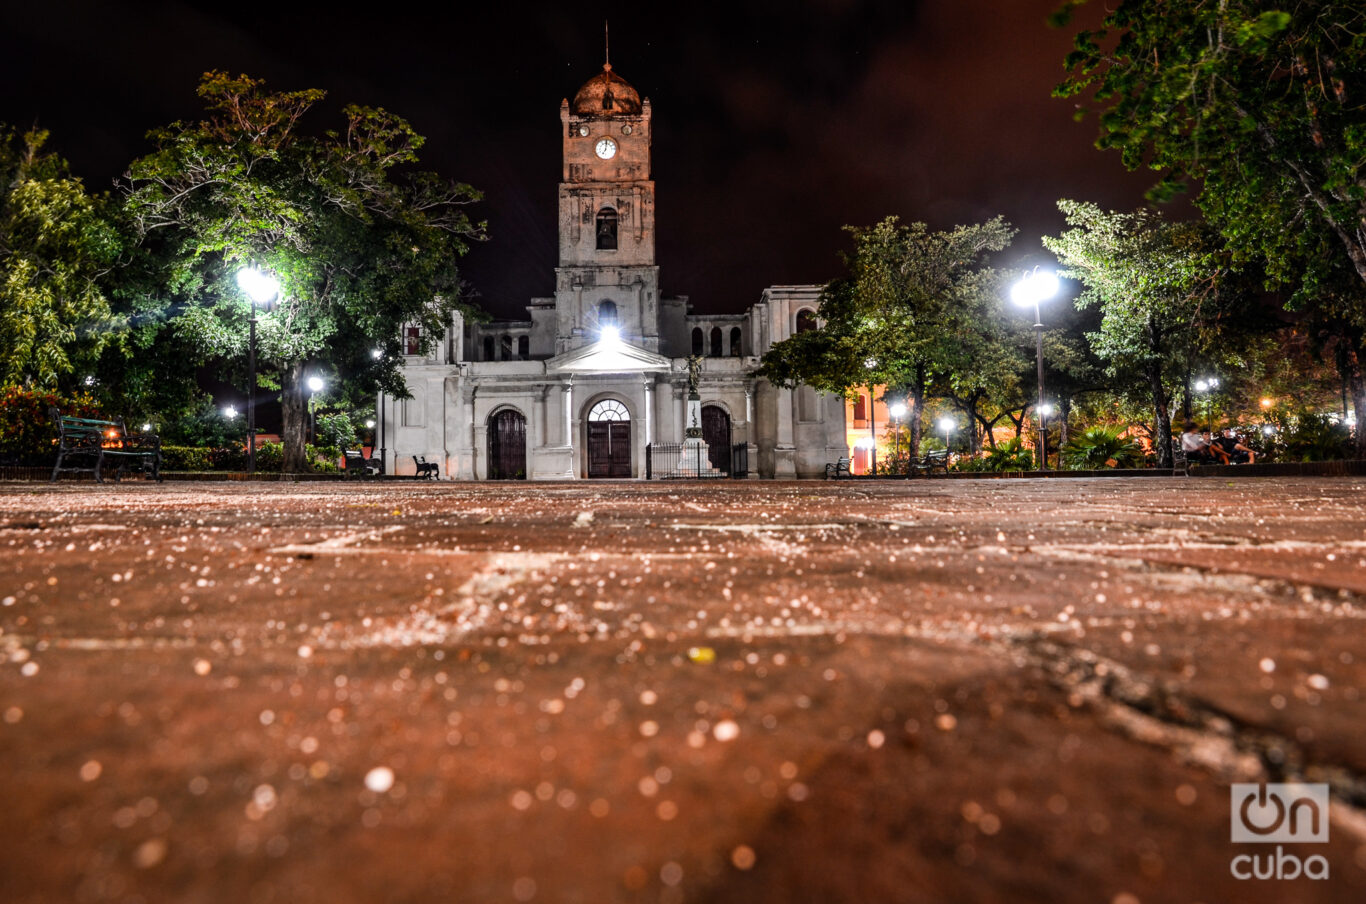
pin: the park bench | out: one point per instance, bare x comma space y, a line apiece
1181, 465
357, 465
426, 470
931, 462
838, 469
94, 441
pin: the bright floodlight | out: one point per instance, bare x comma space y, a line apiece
610, 334
370, 424
897, 411
1267, 403
865, 443
260, 287
1268, 430
1038, 286
376, 353
230, 412
146, 428
1201, 385
946, 424
315, 384
1045, 410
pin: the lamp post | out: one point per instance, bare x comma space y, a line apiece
315, 386
869, 364
261, 289
1045, 412
946, 426
1037, 287
1208, 388
897, 411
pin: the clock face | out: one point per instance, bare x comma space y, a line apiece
606, 148
583, 130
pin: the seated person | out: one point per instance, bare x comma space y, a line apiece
1234, 449
1198, 447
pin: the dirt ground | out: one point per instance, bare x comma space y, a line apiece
1021, 690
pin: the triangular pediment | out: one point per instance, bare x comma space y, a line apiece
608, 357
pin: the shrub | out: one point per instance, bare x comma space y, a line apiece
27, 437
1312, 437
1097, 448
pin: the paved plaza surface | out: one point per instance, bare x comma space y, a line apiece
1027, 690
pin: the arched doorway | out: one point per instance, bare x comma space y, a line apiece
609, 440
716, 434
507, 445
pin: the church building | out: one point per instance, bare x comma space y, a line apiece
597, 383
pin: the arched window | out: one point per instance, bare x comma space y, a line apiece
861, 408
607, 314
607, 229
806, 320
523, 348
716, 342
736, 341
506, 346
488, 348
609, 410
697, 340
412, 341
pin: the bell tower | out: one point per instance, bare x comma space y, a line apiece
607, 273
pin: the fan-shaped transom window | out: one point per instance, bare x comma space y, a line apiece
609, 410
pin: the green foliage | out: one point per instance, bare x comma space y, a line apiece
1311, 436
1163, 290
1259, 107
360, 245
1010, 455
336, 431
1098, 448
55, 245
205, 425
27, 436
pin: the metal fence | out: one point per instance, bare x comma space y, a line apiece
675, 461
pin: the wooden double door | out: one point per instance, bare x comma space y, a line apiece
507, 446
609, 449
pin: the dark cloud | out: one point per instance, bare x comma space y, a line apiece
776, 122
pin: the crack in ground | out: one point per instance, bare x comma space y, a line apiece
1162, 714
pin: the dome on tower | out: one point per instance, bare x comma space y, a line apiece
606, 94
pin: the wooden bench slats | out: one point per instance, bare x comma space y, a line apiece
83, 438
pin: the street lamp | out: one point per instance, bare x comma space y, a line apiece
1038, 286
1045, 412
261, 289
869, 364
897, 411
315, 386
946, 426
1208, 388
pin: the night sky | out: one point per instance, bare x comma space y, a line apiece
775, 122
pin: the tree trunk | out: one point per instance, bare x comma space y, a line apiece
1163, 418
1356, 379
295, 427
917, 412
1064, 412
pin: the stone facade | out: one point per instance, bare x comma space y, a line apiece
600, 370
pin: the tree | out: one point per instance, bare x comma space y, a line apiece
912, 303
1161, 288
1261, 105
55, 246
360, 246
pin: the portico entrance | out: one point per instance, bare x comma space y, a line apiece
609, 440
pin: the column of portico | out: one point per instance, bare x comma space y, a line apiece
465, 465
751, 432
785, 450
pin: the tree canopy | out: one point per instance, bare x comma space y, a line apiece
360, 244
55, 245
1259, 101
